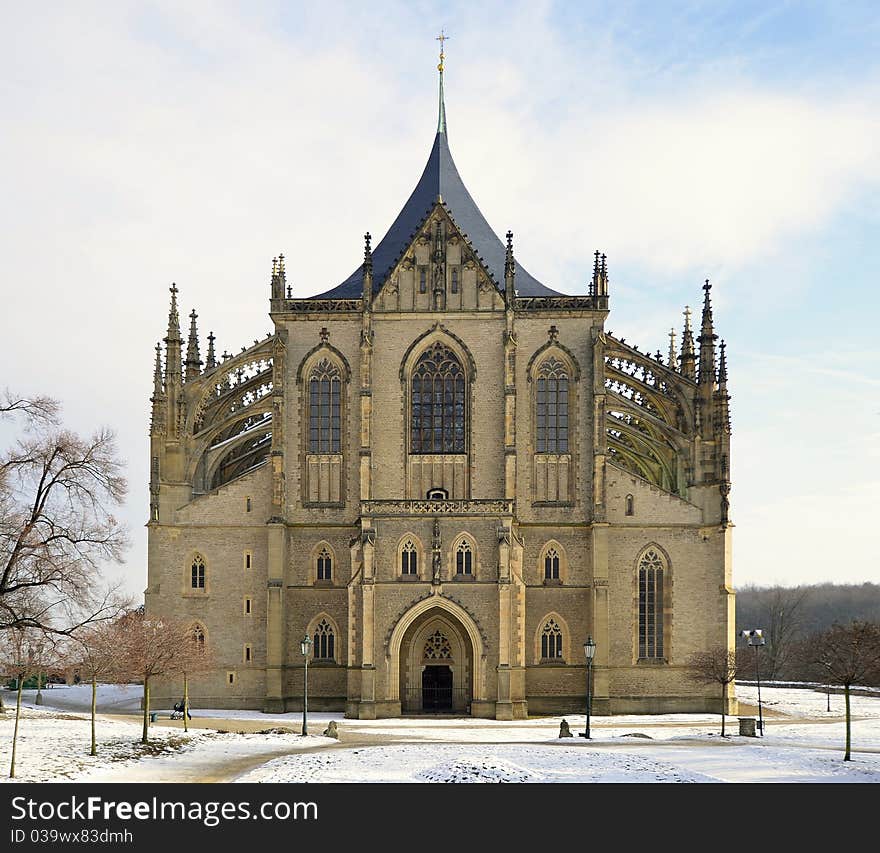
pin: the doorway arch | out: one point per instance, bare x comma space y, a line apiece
438, 633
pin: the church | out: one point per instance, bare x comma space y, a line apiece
439, 477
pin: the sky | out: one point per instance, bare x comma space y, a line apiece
151, 142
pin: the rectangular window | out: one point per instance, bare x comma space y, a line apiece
248, 606
248, 557
423, 280
230, 678
247, 653
247, 504
455, 281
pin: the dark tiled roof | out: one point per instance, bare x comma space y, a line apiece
439, 178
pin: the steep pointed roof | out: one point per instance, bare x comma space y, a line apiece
440, 180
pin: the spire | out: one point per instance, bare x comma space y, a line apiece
673, 358
368, 272
193, 359
599, 284
157, 414
441, 115
687, 347
707, 340
279, 277
173, 317
211, 361
173, 342
158, 389
722, 408
509, 272
722, 367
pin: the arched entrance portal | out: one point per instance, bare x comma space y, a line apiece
436, 665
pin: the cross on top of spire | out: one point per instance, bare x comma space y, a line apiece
441, 38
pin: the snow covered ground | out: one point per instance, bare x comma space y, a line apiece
803, 743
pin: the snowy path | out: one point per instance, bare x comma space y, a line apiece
804, 743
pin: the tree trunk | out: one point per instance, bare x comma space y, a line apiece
185, 702
846, 755
723, 692
146, 708
15, 730
94, 709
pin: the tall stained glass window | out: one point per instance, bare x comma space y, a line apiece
438, 413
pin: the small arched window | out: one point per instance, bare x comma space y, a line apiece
455, 281
651, 569
551, 564
464, 557
197, 572
324, 565
438, 404
323, 643
409, 559
551, 640
551, 414
630, 505
325, 396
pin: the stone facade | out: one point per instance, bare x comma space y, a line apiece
457, 565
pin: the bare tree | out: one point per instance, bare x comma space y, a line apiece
24, 652
57, 491
847, 655
96, 655
714, 666
784, 620
152, 648
34, 409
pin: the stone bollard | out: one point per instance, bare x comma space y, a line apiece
564, 730
330, 731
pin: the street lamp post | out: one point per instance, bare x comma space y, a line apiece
305, 647
589, 654
756, 639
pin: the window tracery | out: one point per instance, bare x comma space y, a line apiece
438, 403
651, 571
438, 647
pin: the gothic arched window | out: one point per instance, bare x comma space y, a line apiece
325, 385
551, 564
551, 414
324, 565
409, 559
323, 642
651, 568
551, 640
630, 505
197, 572
438, 407
464, 558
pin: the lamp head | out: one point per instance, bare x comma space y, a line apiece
589, 649
305, 645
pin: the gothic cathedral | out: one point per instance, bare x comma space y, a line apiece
445, 476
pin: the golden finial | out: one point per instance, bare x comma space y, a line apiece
441, 38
